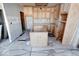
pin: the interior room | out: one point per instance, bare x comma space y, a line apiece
39, 29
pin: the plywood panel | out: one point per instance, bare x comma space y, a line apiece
40, 28
35, 15
43, 9
35, 9
52, 18
47, 15
28, 11
39, 39
52, 9
48, 9
39, 15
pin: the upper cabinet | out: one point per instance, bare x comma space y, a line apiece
28, 11
65, 7
41, 12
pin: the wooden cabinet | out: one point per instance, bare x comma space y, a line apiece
47, 13
52, 22
28, 11
41, 12
61, 26
35, 14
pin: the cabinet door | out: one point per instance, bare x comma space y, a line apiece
43, 9
35, 9
52, 10
43, 14
39, 15
47, 14
35, 14
52, 18
28, 11
48, 9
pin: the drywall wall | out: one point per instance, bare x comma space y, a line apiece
75, 40
0, 6
72, 21
12, 12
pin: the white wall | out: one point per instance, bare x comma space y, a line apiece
0, 6
12, 12
71, 25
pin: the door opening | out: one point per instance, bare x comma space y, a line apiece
22, 21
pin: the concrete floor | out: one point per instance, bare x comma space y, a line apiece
21, 47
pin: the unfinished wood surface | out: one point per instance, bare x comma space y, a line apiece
28, 11
56, 17
39, 39
61, 26
57, 10
40, 28
47, 15
52, 28
41, 13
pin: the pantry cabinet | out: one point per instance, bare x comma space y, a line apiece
61, 26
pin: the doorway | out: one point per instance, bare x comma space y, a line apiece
22, 20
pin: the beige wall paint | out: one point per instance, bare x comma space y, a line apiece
72, 21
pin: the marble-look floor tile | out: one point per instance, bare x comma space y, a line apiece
5, 43
76, 53
21, 47
15, 52
62, 52
39, 53
51, 52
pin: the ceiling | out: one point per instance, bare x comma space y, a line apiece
38, 4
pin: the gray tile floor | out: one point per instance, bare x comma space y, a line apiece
21, 47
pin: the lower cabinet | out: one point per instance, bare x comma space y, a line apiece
60, 27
